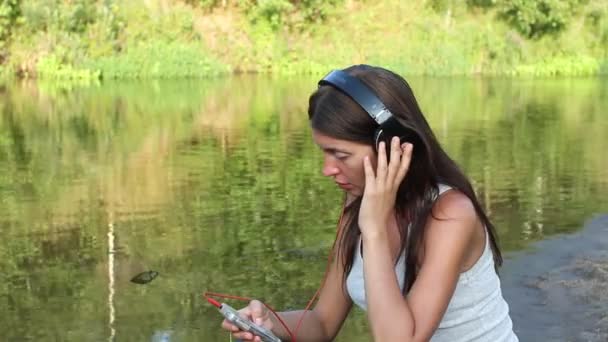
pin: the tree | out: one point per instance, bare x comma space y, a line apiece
536, 18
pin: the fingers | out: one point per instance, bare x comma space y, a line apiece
382, 162
393, 173
226, 325
245, 336
393, 165
369, 172
404, 164
257, 311
238, 333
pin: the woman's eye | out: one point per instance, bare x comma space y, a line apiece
341, 156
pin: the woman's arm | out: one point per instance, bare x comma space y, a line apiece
448, 238
323, 322
320, 324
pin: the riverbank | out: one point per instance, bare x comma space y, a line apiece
86, 39
558, 290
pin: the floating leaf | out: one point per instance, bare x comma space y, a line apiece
144, 277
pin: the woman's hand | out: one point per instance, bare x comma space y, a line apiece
381, 186
255, 312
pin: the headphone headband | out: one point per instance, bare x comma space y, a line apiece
360, 93
389, 126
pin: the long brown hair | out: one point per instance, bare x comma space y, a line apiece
333, 113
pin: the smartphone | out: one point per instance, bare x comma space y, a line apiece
246, 325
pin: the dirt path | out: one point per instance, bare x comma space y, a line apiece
558, 291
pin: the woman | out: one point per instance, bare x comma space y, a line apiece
415, 249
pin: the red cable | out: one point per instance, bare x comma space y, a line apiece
217, 304
221, 295
213, 301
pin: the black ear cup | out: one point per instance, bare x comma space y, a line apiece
378, 137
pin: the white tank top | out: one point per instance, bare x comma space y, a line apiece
476, 312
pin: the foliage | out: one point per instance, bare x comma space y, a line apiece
534, 18
155, 60
481, 3
317, 11
10, 12
430, 42
562, 66
52, 67
78, 15
186, 39
271, 11
292, 14
208, 3
597, 20
69, 16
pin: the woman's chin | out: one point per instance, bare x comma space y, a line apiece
354, 192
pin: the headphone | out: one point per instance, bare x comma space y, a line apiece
389, 126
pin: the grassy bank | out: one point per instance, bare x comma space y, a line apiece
89, 39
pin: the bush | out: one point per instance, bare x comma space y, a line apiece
10, 11
51, 67
157, 60
536, 18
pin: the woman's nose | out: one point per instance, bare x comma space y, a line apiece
329, 168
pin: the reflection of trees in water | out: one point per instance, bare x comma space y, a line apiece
131, 179
111, 281
213, 190
529, 155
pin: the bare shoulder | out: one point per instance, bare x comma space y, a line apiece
454, 205
455, 227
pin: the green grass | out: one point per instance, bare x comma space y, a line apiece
146, 40
154, 60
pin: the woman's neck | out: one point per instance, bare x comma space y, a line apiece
350, 198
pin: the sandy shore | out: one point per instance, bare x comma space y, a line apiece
558, 290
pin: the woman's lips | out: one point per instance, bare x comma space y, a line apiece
345, 186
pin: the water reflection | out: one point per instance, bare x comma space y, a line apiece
217, 186
111, 282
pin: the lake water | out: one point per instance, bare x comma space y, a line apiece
217, 186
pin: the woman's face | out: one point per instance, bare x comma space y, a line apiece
343, 161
